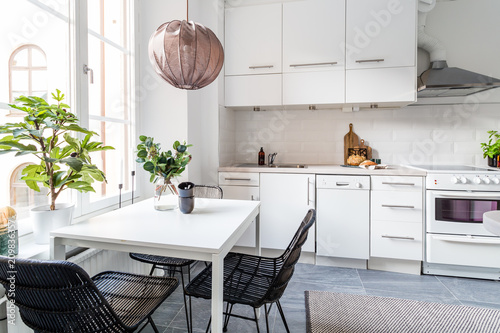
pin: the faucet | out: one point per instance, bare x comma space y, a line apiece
270, 159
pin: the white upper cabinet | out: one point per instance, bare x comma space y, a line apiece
380, 33
313, 35
313, 54
253, 40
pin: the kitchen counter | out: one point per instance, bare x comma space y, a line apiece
392, 170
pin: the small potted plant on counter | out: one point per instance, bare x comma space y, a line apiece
491, 150
64, 161
163, 167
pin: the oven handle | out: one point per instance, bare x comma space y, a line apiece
469, 195
467, 239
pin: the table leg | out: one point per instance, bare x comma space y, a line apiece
257, 236
217, 292
57, 251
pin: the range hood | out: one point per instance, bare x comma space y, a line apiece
443, 81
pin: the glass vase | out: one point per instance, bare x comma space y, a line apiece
166, 197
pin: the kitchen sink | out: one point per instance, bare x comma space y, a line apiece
287, 166
254, 165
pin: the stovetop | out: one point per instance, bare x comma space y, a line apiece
454, 168
461, 177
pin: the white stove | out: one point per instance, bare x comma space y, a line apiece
456, 242
461, 177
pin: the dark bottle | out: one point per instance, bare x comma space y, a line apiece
262, 157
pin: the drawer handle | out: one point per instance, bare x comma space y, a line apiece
391, 183
314, 64
398, 237
467, 239
263, 66
369, 60
341, 184
245, 179
398, 206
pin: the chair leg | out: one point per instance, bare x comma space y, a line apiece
149, 321
208, 326
256, 319
228, 314
278, 304
267, 316
188, 314
152, 269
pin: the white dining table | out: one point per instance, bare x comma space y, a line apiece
207, 234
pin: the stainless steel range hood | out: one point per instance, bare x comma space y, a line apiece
440, 80
443, 81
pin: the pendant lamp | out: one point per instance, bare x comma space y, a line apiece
186, 54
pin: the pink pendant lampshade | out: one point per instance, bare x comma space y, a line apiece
186, 54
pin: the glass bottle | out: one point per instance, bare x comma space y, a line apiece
262, 156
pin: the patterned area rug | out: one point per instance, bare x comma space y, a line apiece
328, 312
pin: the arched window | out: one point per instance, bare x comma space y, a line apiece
27, 72
22, 198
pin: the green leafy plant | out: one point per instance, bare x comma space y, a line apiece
166, 164
46, 133
492, 148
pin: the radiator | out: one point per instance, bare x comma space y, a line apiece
94, 261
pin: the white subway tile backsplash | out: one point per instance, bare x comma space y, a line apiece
411, 135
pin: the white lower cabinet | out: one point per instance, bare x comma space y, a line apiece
241, 186
285, 200
397, 216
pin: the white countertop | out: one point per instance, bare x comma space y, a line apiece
392, 170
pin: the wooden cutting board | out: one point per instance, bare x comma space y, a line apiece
368, 149
351, 140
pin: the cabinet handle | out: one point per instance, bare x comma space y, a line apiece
314, 64
398, 237
391, 183
251, 197
263, 66
369, 60
341, 184
245, 179
397, 206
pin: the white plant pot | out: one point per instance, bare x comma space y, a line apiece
45, 220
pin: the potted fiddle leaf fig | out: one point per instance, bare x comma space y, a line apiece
48, 132
163, 166
491, 150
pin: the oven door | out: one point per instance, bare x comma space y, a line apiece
459, 213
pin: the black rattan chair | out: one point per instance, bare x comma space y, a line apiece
253, 280
59, 296
173, 265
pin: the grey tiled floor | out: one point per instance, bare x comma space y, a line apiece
170, 317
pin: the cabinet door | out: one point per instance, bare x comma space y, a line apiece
313, 32
314, 88
253, 90
380, 33
381, 85
285, 200
253, 40
243, 193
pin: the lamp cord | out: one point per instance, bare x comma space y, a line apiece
187, 10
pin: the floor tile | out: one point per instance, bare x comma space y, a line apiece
473, 290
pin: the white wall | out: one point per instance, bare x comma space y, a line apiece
162, 111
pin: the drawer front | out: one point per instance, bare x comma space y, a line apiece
463, 250
397, 206
239, 178
396, 240
397, 183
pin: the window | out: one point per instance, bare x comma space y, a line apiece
45, 46
22, 197
27, 72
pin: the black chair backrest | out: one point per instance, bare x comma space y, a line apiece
56, 296
289, 258
207, 191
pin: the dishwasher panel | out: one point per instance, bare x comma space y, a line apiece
343, 216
